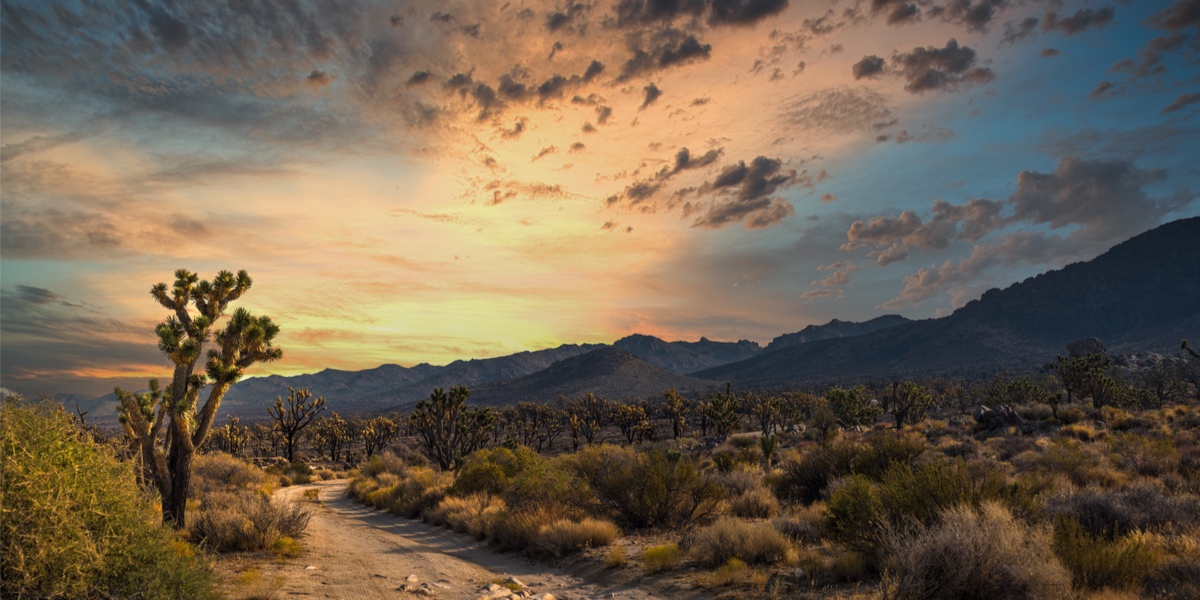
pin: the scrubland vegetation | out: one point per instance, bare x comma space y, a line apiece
894, 491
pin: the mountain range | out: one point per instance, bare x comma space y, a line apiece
1140, 295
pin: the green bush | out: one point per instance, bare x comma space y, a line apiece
647, 489
803, 479
74, 524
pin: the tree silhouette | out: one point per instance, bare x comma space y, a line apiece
448, 429
290, 420
245, 340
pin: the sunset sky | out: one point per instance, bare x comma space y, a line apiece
430, 181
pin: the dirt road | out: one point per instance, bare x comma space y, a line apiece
353, 552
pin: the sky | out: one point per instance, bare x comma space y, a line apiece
431, 181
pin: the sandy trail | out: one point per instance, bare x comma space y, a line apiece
354, 552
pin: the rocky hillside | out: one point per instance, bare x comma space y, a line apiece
1140, 295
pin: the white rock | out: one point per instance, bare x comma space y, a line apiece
514, 580
411, 579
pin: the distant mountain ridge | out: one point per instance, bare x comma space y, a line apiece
1141, 294
833, 329
608, 372
687, 357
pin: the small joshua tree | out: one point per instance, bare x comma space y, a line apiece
245, 340
377, 433
909, 402
851, 407
291, 419
676, 410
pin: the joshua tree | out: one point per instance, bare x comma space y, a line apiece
377, 433
723, 411
909, 402
290, 420
448, 429
245, 340
676, 410
768, 444
851, 407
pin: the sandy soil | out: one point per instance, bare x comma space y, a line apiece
354, 552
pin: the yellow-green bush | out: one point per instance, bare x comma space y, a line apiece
661, 558
565, 536
73, 523
1096, 562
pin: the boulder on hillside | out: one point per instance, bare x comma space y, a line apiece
1086, 346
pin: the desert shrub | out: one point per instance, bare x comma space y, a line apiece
217, 470
732, 538
246, 521
1071, 415
738, 482
519, 530
1080, 432
421, 490
859, 512
491, 470
802, 528
73, 523
1113, 513
1096, 562
661, 558
1035, 412
287, 547
383, 463
850, 567
1150, 457
802, 479
324, 474
1175, 578
1074, 461
383, 498
649, 489
741, 441
548, 484
971, 553
564, 536
756, 504
473, 514
615, 558
733, 571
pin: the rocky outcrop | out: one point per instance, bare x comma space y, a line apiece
1086, 346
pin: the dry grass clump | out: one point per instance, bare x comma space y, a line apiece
519, 529
383, 463
1111, 513
324, 474
1083, 433
286, 547
615, 558
217, 471
421, 490
756, 543
565, 536
755, 504
246, 521
803, 527
983, 553
661, 558
1097, 562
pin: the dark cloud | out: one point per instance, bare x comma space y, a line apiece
608, 226
744, 12
1181, 101
188, 226
319, 79
837, 278
1079, 22
751, 188
976, 16
941, 69
602, 114
1050, 52
665, 49
652, 95
1097, 201
441, 17
898, 12
517, 129
926, 135
869, 66
578, 147
1180, 15
1101, 88
171, 33
1015, 32
419, 78
547, 151
826, 198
